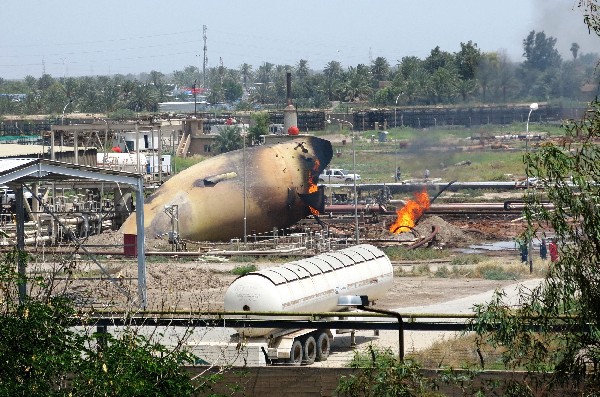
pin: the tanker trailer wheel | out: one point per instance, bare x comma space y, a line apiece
296, 353
310, 350
323, 347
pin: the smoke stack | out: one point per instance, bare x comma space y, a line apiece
290, 118
288, 84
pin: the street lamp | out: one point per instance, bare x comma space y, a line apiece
396, 109
354, 178
62, 121
532, 107
362, 302
243, 134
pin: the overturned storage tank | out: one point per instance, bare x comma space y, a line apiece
311, 285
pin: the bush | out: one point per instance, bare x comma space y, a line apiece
496, 272
243, 270
43, 355
382, 374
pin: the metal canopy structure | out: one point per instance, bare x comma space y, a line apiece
20, 172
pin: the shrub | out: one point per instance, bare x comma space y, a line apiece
243, 270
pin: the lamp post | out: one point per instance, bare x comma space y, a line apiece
243, 134
532, 107
62, 121
362, 302
195, 92
396, 109
356, 237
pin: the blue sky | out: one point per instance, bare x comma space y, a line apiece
82, 37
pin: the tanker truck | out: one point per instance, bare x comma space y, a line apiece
307, 285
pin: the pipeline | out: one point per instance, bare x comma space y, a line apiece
363, 208
428, 238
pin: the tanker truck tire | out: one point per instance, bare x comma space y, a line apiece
310, 350
296, 353
323, 347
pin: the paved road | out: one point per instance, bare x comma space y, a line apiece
419, 340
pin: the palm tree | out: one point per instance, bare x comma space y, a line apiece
229, 139
380, 69
246, 73
333, 72
356, 86
302, 69
264, 73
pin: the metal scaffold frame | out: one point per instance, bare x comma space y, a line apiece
20, 172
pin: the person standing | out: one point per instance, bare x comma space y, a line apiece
523, 250
553, 248
543, 249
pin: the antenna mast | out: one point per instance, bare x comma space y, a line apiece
205, 58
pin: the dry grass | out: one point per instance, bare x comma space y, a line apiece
500, 268
460, 352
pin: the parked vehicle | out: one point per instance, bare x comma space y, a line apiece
337, 175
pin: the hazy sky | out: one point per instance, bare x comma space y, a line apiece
82, 37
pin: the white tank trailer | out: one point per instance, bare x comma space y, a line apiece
307, 285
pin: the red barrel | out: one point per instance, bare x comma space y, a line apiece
130, 244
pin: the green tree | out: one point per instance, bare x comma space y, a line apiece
569, 296
333, 75
466, 88
261, 126
229, 139
380, 69
246, 73
540, 52
187, 76
232, 89
302, 70
467, 60
569, 174
356, 85
445, 85
131, 365
438, 59
42, 354
411, 78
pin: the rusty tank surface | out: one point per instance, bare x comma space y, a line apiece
280, 185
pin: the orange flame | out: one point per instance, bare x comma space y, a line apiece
410, 213
312, 186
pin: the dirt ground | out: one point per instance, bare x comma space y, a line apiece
199, 283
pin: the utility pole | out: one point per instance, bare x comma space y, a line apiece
205, 58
